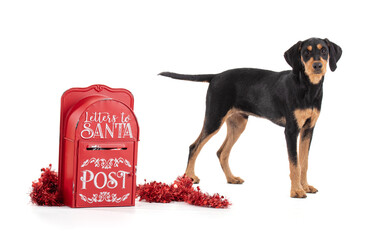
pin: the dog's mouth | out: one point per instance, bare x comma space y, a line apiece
317, 71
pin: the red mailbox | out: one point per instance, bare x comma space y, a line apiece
99, 135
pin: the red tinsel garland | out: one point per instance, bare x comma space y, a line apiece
181, 190
45, 192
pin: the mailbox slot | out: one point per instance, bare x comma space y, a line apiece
106, 146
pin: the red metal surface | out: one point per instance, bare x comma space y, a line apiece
98, 147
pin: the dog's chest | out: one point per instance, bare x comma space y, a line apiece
302, 115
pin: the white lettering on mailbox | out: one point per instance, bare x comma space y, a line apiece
105, 125
101, 179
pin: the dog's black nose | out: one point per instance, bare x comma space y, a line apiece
317, 65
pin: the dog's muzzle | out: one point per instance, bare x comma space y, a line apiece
317, 66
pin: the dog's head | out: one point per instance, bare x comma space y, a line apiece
311, 57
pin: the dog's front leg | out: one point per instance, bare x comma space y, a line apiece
304, 147
291, 136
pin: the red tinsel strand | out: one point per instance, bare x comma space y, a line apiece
198, 198
154, 192
181, 190
45, 190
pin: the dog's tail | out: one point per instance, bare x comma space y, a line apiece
195, 78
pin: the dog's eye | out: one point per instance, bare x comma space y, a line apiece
323, 50
306, 52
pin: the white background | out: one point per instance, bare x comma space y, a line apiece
47, 47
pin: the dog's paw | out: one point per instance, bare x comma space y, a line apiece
310, 189
235, 180
298, 193
195, 179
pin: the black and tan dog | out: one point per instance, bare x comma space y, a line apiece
291, 99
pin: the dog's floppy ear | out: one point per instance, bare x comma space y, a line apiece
292, 56
335, 52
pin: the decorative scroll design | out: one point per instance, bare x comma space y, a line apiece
106, 164
99, 88
104, 196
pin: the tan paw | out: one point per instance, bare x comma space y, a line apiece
310, 189
298, 193
192, 176
235, 180
195, 179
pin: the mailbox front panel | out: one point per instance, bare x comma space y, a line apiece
106, 138
105, 173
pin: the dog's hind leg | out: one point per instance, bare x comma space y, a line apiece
212, 125
236, 124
